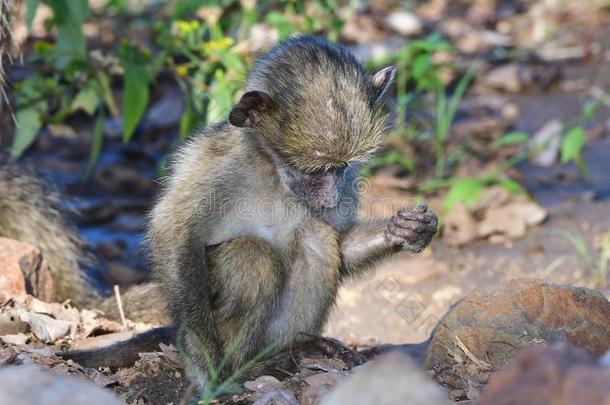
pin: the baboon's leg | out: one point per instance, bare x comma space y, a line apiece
311, 287
245, 281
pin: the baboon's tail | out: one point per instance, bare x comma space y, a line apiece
125, 353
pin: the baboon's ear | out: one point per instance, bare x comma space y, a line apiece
382, 81
250, 109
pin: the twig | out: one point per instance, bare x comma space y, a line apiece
119, 303
480, 363
288, 373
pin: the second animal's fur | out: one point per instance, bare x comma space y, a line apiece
31, 211
256, 227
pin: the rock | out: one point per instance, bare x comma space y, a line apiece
112, 250
113, 128
277, 397
561, 374
497, 215
123, 179
485, 329
318, 386
512, 219
387, 380
123, 275
545, 144
29, 385
166, 112
46, 328
460, 226
24, 270
362, 29
264, 383
512, 78
403, 22
17, 339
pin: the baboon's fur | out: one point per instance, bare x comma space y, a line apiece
326, 114
256, 226
29, 212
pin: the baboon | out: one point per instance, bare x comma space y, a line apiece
256, 226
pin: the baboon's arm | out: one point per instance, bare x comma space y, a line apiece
367, 242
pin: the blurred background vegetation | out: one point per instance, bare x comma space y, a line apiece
103, 91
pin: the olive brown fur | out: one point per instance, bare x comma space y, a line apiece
256, 227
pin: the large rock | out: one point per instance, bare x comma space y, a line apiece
391, 379
482, 331
24, 270
29, 385
561, 374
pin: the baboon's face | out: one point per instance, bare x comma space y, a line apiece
320, 189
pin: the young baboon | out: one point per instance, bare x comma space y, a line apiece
256, 227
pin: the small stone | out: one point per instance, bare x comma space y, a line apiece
460, 226
123, 179
31, 385
17, 339
277, 397
264, 383
123, 275
166, 112
24, 271
390, 379
45, 328
545, 144
512, 78
404, 23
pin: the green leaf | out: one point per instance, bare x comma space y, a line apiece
137, 63
107, 94
71, 45
29, 122
87, 99
96, 144
71, 41
221, 98
421, 65
135, 98
512, 138
187, 119
467, 190
572, 144
279, 21
512, 187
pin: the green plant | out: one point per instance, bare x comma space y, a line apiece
445, 114
598, 268
216, 387
196, 41
574, 138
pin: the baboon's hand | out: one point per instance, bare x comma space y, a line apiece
412, 228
